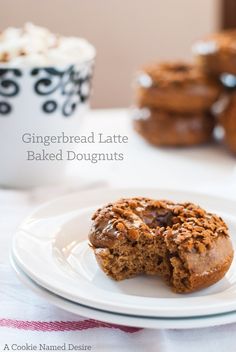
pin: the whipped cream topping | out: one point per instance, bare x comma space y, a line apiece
37, 46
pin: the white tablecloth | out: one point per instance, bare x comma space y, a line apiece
23, 315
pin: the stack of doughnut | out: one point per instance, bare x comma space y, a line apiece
216, 56
175, 100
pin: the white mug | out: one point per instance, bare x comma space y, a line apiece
44, 101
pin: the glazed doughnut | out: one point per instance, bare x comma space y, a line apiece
168, 129
188, 247
216, 54
176, 87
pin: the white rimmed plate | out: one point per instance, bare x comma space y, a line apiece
134, 321
51, 247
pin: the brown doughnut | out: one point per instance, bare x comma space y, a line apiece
228, 122
216, 54
176, 87
168, 129
188, 247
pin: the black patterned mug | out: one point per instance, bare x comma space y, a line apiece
39, 101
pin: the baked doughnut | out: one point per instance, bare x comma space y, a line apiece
216, 54
168, 129
188, 247
228, 122
178, 87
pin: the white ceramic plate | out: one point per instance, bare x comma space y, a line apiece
51, 247
134, 321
